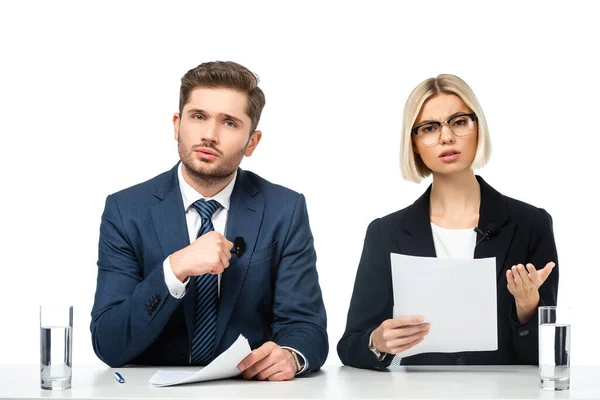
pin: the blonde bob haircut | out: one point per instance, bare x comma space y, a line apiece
412, 166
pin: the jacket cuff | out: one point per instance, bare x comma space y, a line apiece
522, 330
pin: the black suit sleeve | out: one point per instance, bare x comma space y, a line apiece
542, 249
371, 304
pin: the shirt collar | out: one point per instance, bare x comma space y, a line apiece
190, 195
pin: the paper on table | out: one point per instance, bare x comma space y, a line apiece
224, 366
457, 297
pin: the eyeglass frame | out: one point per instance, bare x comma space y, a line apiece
414, 130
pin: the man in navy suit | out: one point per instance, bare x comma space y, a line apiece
200, 254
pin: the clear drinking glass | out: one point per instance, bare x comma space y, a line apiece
555, 347
56, 341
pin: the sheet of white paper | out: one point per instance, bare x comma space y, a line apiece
224, 366
457, 297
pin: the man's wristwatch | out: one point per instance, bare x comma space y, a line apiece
298, 360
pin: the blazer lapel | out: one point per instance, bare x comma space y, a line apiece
493, 219
168, 216
169, 221
417, 239
244, 219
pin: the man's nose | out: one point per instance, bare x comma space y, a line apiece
210, 133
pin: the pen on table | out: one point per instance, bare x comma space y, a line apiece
119, 378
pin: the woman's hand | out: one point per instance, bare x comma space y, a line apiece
523, 284
399, 334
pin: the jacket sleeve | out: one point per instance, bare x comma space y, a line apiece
299, 318
371, 304
542, 249
130, 310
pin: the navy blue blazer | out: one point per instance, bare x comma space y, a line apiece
269, 293
519, 233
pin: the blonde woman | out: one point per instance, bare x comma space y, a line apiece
444, 134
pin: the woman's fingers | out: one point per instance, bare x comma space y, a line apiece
517, 276
511, 281
404, 331
400, 349
545, 272
403, 340
402, 321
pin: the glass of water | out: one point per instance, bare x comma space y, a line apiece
555, 347
56, 341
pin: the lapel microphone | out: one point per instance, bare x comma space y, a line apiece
490, 230
238, 246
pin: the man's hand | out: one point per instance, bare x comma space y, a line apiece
396, 335
269, 362
209, 254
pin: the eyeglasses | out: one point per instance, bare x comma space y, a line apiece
460, 125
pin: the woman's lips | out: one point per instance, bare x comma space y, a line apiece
449, 156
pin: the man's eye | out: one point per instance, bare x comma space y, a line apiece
198, 116
230, 124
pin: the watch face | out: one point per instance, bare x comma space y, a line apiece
297, 360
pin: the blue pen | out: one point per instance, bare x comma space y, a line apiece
119, 378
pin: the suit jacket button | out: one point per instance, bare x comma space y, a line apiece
524, 332
460, 361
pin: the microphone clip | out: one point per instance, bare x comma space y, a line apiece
484, 235
238, 246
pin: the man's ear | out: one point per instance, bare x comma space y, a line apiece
176, 122
252, 143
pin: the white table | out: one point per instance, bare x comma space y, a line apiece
456, 382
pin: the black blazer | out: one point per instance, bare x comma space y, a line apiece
520, 233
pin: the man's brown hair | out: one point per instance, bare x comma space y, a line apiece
224, 74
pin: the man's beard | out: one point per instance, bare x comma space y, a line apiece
209, 176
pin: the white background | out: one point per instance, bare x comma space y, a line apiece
88, 89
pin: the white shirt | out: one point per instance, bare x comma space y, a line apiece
454, 243
189, 195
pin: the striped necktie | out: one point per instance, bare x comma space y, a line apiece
203, 340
